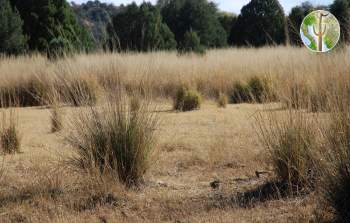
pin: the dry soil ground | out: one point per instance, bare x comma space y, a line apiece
195, 149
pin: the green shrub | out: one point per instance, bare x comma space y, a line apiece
187, 100
58, 48
191, 43
11, 33
222, 100
258, 90
114, 139
261, 89
179, 98
240, 93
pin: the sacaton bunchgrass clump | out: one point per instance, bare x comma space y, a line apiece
54, 99
135, 103
292, 148
79, 91
297, 95
10, 140
261, 89
222, 100
187, 99
335, 186
115, 139
256, 90
240, 93
31, 91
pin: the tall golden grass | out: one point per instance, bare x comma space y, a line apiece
292, 145
164, 72
308, 143
304, 82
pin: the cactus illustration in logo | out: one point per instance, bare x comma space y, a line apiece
320, 31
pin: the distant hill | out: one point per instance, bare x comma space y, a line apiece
95, 16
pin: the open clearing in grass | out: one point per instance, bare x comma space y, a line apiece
195, 149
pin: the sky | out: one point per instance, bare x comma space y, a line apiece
229, 5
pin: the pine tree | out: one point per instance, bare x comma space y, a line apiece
192, 43
341, 10
46, 21
295, 19
12, 40
261, 22
141, 29
227, 21
199, 16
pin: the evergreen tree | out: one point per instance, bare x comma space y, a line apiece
227, 21
341, 10
200, 16
95, 17
191, 43
12, 40
260, 23
295, 19
50, 20
141, 29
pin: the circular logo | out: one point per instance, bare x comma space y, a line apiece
320, 31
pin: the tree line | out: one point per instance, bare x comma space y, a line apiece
56, 27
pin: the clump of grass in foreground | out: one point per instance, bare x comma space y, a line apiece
10, 140
115, 139
222, 100
187, 99
335, 186
292, 146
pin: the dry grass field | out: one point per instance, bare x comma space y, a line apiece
208, 165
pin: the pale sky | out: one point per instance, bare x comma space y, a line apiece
229, 5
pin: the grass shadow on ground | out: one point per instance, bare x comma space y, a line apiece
262, 193
166, 111
267, 191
